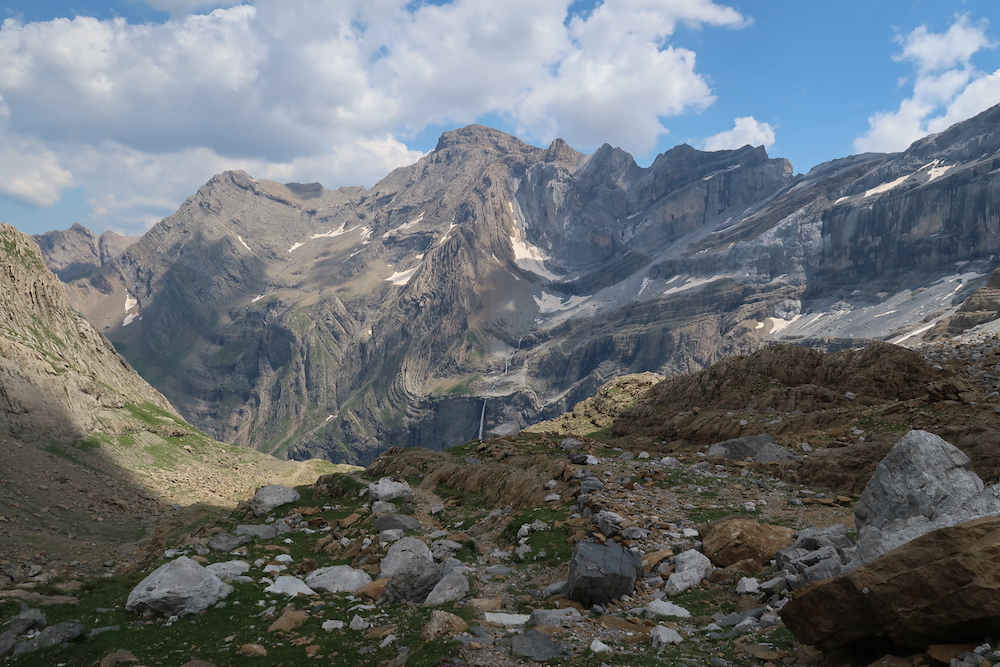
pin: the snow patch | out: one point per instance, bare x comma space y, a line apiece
551, 303
529, 256
402, 277
888, 312
257, 298
915, 332
240, 238
131, 304
936, 170
687, 283
885, 187
777, 324
295, 247
333, 233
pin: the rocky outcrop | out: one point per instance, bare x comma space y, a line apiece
77, 252
939, 588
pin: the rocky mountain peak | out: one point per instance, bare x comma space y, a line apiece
482, 136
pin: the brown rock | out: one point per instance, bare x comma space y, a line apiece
119, 657
945, 652
940, 587
372, 591
252, 651
730, 541
443, 624
290, 619
349, 521
486, 604
892, 661
198, 663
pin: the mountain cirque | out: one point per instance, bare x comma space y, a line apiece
494, 274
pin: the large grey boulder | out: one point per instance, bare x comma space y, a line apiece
924, 483
538, 647
290, 586
226, 542
761, 448
411, 571
229, 569
599, 573
396, 522
452, 587
337, 579
387, 489
179, 587
402, 553
271, 496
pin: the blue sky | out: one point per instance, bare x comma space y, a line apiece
113, 113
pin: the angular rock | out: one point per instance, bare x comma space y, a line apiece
225, 542
387, 489
556, 617
661, 637
261, 532
27, 619
414, 581
538, 647
270, 497
229, 569
53, 635
761, 448
690, 567
453, 587
443, 625
599, 573
290, 619
939, 588
179, 587
664, 608
290, 586
337, 579
396, 522
401, 553
924, 483
730, 541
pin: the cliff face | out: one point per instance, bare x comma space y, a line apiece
303, 321
77, 252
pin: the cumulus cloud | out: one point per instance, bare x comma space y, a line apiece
327, 90
947, 87
747, 130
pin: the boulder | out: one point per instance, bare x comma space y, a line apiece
939, 588
229, 569
661, 637
179, 587
599, 573
387, 489
924, 483
690, 567
261, 532
730, 541
226, 542
443, 625
270, 497
290, 586
761, 448
53, 635
538, 647
555, 617
401, 553
337, 579
664, 608
396, 522
452, 587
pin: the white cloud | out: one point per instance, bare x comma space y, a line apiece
947, 88
747, 130
324, 90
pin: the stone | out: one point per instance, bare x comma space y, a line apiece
290, 586
501, 618
382, 507
372, 591
27, 619
358, 623
938, 588
443, 625
387, 489
923, 483
119, 657
271, 497
179, 587
556, 617
413, 582
761, 448
748, 585
732, 540
252, 651
198, 663
337, 579
538, 647
661, 637
401, 553
597, 646
609, 523
226, 542
330, 626
229, 569
290, 619
396, 522
600, 573
663, 608
261, 532
690, 567
53, 635
453, 587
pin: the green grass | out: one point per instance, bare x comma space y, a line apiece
464, 388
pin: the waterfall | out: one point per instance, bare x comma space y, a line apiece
482, 419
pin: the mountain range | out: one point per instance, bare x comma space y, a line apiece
493, 283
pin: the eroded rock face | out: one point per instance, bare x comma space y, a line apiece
177, 588
938, 588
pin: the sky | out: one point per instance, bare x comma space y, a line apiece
113, 112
